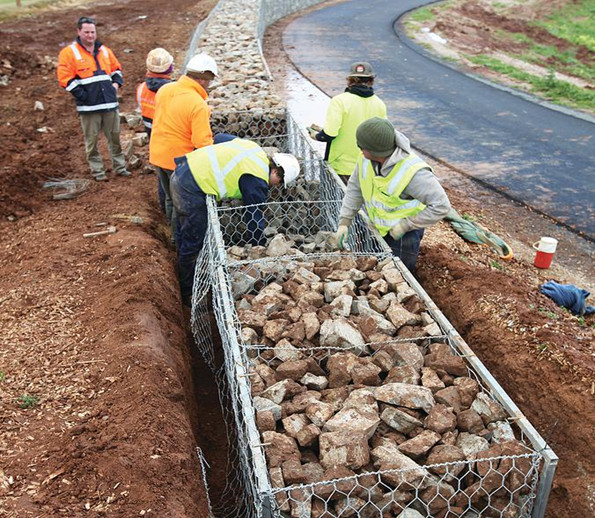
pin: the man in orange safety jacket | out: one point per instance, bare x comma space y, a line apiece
182, 122
93, 75
159, 70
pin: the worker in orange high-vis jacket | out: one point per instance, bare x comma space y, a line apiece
91, 72
182, 121
159, 70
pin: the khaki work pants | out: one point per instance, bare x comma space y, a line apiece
109, 123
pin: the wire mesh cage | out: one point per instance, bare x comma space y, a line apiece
295, 454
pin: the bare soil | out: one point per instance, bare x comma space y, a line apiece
93, 329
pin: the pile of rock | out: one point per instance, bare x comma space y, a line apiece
349, 383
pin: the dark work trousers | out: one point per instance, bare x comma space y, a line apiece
406, 248
190, 204
160, 191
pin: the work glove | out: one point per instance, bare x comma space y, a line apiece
399, 230
342, 236
313, 130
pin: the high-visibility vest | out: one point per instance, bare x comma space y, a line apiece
79, 69
146, 101
382, 194
345, 113
217, 169
181, 123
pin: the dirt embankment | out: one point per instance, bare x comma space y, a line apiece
94, 343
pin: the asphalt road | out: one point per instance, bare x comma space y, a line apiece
539, 156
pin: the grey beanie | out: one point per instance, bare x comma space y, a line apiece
377, 136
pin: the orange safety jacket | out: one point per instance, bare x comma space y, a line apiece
145, 96
181, 123
89, 77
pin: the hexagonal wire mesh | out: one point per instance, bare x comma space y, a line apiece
233, 262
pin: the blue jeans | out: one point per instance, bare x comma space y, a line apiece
406, 248
190, 205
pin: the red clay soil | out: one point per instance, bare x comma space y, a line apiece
98, 380
102, 400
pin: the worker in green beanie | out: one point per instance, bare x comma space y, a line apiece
398, 190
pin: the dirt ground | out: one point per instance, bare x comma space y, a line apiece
94, 342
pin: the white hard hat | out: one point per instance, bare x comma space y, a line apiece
159, 60
290, 165
202, 63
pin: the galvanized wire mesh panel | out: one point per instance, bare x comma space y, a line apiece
302, 221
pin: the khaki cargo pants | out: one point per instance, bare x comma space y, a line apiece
109, 123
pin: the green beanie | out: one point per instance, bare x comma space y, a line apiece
376, 136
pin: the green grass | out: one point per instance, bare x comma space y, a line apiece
2, 376
9, 9
573, 23
27, 401
425, 14
549, 87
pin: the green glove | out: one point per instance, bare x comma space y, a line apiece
342, 236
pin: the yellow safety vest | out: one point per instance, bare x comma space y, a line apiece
217, 169
382, 194
345, 113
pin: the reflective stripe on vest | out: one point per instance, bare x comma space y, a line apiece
216, 168
382, 194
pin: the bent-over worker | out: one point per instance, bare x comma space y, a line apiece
234, 169
399, 191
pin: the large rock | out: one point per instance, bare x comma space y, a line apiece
388, 457
488, 409
420, 444
399, 316
410, 396
347, 448
282, 390
334, 289
355, 419
279, 448
441, 419
339, 333
399, 420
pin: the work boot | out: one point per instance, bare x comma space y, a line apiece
100, 177
125, 173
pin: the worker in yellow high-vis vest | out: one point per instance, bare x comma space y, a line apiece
234, 169
398, 190
345, 113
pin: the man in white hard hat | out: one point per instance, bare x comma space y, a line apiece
159, 70
235, 169
182, 121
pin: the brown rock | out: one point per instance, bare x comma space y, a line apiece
445, 453
420, 444
347, 449
265, 421
441, 419
454, 365
468, 389
430, 379
308, 435
292, 369
365, 373
403, 374
383, 360
469, 421
450, 397
279, 448
296, 333
311, 325
300, 402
